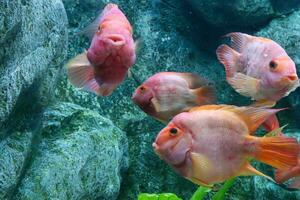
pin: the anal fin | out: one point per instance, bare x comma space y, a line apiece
248, 170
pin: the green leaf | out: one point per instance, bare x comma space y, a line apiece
164, 196
200, 193
220, 195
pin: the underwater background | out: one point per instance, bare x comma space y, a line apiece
59, 142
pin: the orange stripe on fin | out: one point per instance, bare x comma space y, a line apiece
279, 152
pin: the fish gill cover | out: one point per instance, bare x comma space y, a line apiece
59, 142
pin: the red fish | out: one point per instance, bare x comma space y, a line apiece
258, 67
212, 143
112, 52
166, 94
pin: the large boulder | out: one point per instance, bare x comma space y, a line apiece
80, 155
241, 13
33, 40
15, 151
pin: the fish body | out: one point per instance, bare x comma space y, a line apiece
212, 143
166, 94
258, 67
112, 52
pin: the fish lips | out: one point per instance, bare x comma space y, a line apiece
116, 40
174, 156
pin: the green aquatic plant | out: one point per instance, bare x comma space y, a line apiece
163, 196
200, 193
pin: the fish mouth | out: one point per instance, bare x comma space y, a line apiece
292, 77
116, 39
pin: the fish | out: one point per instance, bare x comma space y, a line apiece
112, 52
213, 143
166, 94
258, 67
292, 173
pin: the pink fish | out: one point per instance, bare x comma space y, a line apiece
112, 52
212, 143
258, 67
166, 94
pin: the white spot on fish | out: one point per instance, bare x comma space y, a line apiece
265, 55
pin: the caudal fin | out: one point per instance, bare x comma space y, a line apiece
229, 58
81, 74
205, 95
279, 152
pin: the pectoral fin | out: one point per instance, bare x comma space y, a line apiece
156, 105
245, 85
202, 167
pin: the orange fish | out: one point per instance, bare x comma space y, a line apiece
212, 143
112, 52
258, 67
166, 94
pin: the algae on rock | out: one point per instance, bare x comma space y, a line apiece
33, 43
81, 155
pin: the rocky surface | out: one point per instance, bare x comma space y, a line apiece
241, 13
80, 156
78, 150
33, 42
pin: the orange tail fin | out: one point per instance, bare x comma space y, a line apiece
279, 152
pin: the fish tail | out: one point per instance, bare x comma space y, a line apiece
229, 58
295, 183
279, 152
204, 95
81, 74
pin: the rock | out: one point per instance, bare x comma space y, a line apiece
81, 155
285, 31
238, 13
33, 41
15, 150
241, 13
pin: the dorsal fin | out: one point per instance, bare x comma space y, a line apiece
239, 40
252, 116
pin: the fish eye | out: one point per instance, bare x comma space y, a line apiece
142, 88
173, 131
273, 64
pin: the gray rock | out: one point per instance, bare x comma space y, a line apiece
15, 150
80, 156
33, 41
240, 13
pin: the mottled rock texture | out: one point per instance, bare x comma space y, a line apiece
33, 40
241, 13
78, 150
80, 156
